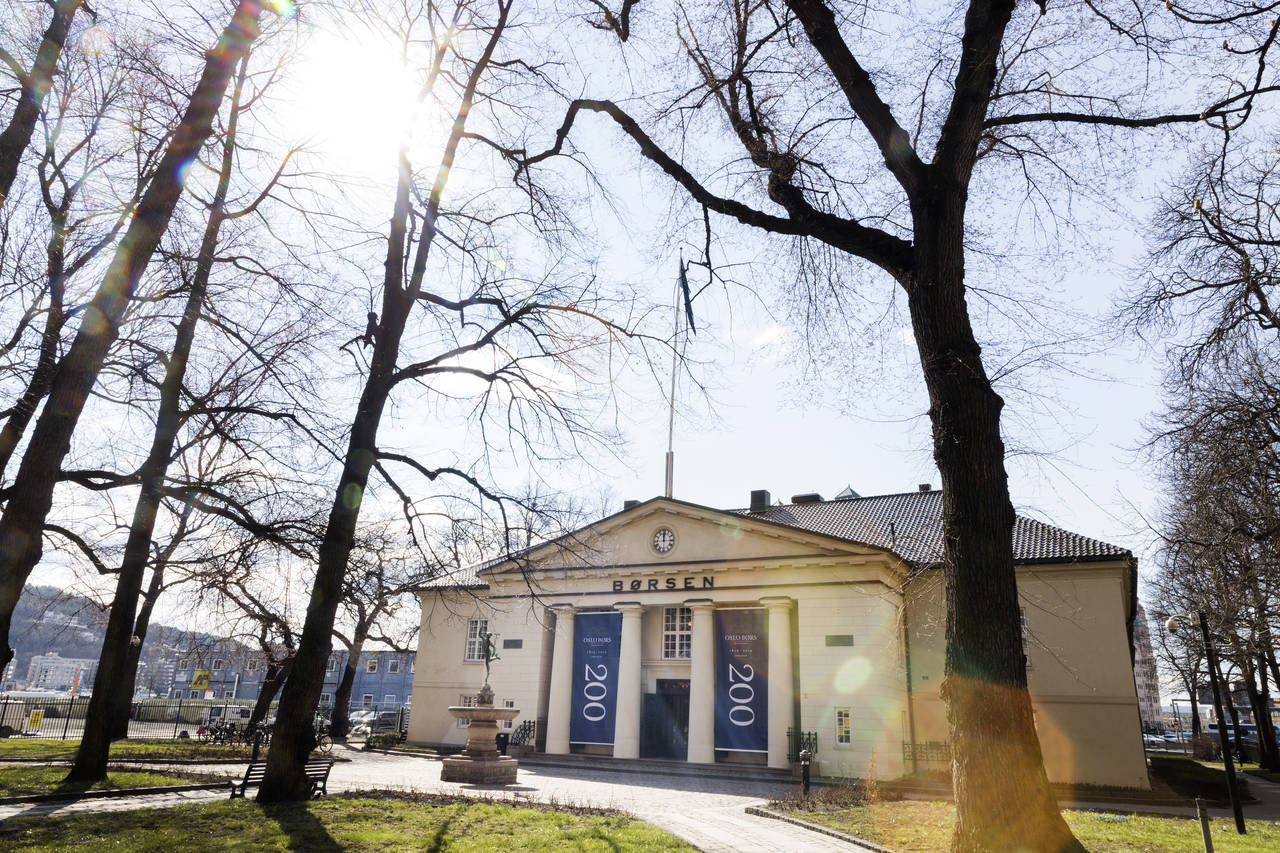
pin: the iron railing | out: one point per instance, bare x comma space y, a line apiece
798, 741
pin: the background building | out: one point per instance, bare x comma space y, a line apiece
56, 673
1144, 674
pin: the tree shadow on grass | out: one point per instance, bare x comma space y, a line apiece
599, 833
436, 844
305, 831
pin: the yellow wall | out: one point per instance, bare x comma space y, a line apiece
1080, 674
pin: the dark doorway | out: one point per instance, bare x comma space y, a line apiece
664, 727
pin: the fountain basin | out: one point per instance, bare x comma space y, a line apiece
480, 762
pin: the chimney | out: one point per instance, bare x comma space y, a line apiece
626, 505
807, 498
759, 500
926, 487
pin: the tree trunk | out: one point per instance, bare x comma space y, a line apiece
1230, 703
122, 691
1260, 701
23, 519
1003, 798
340, 724
277, 673
294, 735
17, 136
15, 426
91, 758
1195, 714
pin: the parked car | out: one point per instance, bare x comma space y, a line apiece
1154, 741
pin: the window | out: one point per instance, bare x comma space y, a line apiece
677, 633
184, 663
389, 699
366, 701
195, 694
326, 699
842, 726
466, 700
393, 666
228, 694
331, 665
371, 665
508, 703
475, 642
219, 663
252, 665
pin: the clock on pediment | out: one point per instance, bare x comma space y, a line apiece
664, 539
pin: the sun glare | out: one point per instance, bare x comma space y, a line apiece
353, 100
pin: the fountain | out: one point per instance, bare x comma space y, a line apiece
480, 763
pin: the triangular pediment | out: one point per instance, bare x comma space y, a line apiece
702, 536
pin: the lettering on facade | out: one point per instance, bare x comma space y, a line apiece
657, 585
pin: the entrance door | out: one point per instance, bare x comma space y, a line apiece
664, 727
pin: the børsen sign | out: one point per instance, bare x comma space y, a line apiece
659, 584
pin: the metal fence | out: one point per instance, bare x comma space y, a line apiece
929, 752
798, 741
58, 717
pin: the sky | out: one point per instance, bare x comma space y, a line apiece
762, 418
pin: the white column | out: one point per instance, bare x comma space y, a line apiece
626, 732
702, 683
558, 699
780, 693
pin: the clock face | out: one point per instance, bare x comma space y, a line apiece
664, 539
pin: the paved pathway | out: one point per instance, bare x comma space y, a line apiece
708, 813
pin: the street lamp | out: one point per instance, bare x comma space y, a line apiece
1183, 622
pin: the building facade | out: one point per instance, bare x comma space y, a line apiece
54, 672
678, 631
383, 679
1145, 676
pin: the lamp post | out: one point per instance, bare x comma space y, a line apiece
1173, 625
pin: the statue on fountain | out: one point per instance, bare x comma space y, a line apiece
480, 762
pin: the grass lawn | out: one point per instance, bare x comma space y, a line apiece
1255, 770
139, 750
911, 826
20, 781
335, 824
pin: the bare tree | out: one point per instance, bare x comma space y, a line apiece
477, 323
111, 687
34, 85
21, 523
859, 136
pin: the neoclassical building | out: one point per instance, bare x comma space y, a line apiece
676, 631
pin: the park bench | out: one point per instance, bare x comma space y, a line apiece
317, 771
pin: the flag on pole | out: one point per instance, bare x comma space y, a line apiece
688, 300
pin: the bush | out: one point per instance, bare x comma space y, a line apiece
384, 740
1206, 748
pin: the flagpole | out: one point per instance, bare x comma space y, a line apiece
671, 417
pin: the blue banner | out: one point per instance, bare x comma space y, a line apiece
742, 680
597, 638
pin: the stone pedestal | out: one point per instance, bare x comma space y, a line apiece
480, 763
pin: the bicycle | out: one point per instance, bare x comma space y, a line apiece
324, 743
